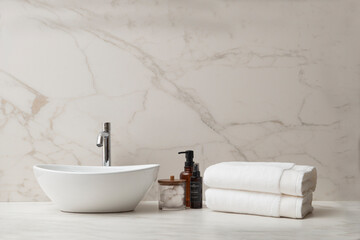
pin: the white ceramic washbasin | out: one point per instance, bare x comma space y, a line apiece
96, 189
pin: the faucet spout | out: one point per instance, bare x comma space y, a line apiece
103, 140
100, 140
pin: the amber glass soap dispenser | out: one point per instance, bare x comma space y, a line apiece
187, 173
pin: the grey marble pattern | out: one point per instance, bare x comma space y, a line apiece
232, 80
330, 220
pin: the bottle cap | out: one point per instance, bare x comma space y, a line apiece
196, 171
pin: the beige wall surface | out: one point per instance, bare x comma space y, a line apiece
232, 80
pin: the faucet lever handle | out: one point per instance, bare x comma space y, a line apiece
107, 126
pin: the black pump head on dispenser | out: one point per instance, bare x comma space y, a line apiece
189, 155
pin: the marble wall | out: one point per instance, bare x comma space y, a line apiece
232, 80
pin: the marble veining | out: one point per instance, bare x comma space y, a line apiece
330, 220
233, 80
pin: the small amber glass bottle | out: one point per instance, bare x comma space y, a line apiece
196, 188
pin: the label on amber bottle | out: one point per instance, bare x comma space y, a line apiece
195, 191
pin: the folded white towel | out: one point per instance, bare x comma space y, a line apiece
267, 204
299, 180
269, 177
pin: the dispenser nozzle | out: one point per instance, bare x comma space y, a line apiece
189, 155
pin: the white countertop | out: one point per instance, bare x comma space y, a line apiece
330, 220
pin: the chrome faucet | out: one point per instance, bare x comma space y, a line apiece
103, 140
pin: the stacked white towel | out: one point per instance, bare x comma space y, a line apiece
262, 188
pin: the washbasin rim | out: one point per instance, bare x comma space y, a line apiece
43, 167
